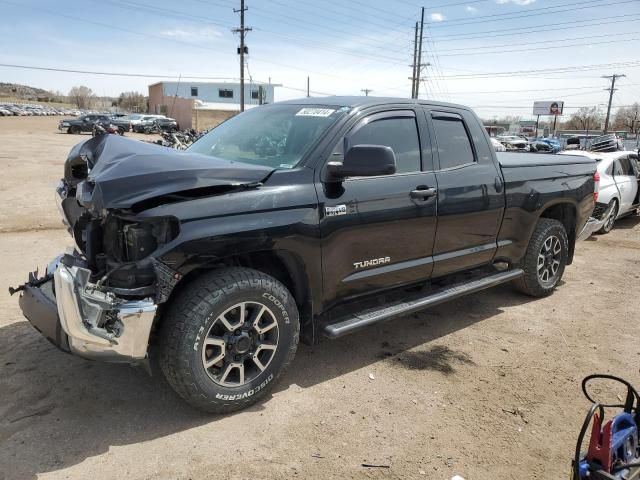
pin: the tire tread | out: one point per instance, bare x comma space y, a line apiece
185, 312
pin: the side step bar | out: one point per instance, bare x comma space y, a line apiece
450, 292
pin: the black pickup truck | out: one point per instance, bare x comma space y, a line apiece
294, 220
85, 123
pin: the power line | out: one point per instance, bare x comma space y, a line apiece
518, 31
456, 22
207, 21
568, 69
145, 75
532, 49
555, 40
114, 74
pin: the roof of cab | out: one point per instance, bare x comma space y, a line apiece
364, 101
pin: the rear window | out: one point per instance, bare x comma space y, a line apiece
454, 144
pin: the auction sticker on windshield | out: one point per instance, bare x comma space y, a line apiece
314, 112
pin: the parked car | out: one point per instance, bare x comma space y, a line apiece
497, 146
150, 124
82, 124
607, 143
618, 191
300, 218
549, 145
513, 142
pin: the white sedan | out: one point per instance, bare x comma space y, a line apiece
618, 191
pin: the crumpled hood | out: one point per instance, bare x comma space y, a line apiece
123, 172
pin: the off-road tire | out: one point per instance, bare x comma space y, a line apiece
530, 283
188, 320
609, 222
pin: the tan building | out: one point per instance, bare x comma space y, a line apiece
204, 105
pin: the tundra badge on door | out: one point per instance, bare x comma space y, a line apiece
372, 263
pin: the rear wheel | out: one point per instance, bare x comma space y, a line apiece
227, 338
545, 260
611, 214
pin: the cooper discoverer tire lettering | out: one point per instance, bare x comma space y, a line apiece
227, 338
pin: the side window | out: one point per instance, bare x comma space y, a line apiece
454, 145
617, 169
194, 91
625, 165
400, 133
609, 170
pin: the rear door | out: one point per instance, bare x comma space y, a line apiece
470, 192
375, 232
626, 181
635, 164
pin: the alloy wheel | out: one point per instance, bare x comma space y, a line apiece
240, 344
549, 260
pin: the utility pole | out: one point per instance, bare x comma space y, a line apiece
415, 63
308, 87
366, 91
419, 64
242, 50
611, 90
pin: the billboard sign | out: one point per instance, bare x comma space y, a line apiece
548, 108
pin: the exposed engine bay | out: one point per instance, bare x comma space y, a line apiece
107, 183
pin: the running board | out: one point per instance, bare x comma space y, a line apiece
369, 317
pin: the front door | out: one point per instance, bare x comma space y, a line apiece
378, 232
470, 193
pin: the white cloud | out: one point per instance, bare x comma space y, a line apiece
195, 35
471, 9
437, 17
516, 2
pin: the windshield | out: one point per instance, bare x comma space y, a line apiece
276, 136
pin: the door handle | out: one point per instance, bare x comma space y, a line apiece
422, 192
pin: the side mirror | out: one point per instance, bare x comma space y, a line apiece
363, 161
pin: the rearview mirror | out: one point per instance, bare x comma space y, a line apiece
363, 161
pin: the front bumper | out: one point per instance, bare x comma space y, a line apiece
592, 225
78, 318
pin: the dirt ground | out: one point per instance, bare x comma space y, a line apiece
486, 387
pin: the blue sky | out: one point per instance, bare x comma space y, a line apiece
343, 46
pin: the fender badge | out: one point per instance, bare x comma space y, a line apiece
335, 211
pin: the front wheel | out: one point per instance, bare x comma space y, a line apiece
227, 338
545, 259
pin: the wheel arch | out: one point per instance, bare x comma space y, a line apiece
284, 266
565, 213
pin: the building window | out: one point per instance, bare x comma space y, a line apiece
194, 91
225, 93
255, 94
